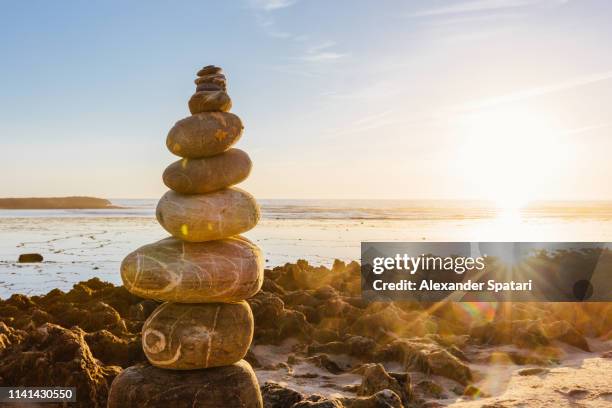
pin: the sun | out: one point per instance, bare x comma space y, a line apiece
510, 154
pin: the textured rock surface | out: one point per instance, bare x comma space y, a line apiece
50, 355
233, 386
297, 318
376, 379
382, 399
278, 396
226, 270
205, 217
190, 336
199, 176
209, 101
204, 134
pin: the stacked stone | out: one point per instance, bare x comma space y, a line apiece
203, 273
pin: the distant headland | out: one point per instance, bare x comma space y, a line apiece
55, 203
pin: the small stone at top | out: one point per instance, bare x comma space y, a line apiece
209, 69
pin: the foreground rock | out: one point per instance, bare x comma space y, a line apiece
51, 355
376, 379
311, 322
205, 134
276, 396
207, 217
226, 270
382, 399
183, 336
30, 258
233, 386
199, 176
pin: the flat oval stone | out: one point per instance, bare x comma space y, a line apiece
209, 101
210, 87
233, 386
199, 176
210, 78
205, 217
204, 134
182, 336
226, 270
209, 69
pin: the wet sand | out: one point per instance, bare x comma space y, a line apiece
79, 246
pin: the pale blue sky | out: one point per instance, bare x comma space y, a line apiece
341, 99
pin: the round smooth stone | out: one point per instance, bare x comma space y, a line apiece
204, 134
199, 176
205, 217
226, 270
209, 101
233, 386
209, 70
182, 336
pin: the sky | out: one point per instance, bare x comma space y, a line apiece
504, 100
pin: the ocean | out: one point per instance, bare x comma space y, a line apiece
80, 244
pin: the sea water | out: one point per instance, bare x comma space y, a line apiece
80, 244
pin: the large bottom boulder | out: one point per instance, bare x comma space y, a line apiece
143, 385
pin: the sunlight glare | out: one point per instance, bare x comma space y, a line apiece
511, 154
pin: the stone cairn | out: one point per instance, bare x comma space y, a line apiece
196, 340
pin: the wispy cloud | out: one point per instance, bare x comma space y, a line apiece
475, 6
537, 91
472, 19
375, 91
322, 52
586, 129
294, 69
267, 23
268, 5
263, 11
313, 55
366, 123
323, 56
